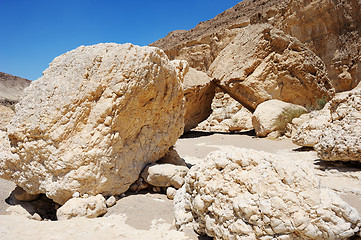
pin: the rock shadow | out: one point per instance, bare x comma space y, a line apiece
197, 134
45, 207
303, 149
341, 166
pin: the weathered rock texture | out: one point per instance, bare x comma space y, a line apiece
6, 114
330, 28
228, 115
90, 207
97, 116
264, 63
341, 139
199, 92
11, 88
274, 115
256, 195
308, 127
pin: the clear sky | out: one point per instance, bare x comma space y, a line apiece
34, 32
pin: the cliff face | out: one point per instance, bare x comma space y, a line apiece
11, 88
330, 28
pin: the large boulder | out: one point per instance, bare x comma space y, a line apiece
199, 92
341, 139
274, 115
264, 63
246, 194
91, 123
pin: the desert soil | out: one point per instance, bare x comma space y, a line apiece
150, 215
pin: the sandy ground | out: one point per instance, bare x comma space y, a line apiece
150, 216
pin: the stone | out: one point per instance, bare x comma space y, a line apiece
249, 194
264, 63
171, 192
341, 138
18, 210
95, 118
21, 195
90, 207
241, 121
223, 117
274, 115
164, 175
139, 185
111, 201
199, 92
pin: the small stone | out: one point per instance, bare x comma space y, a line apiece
76, 195
36, 217
90, 207
156, 189
17, 210
111, 201
171, 192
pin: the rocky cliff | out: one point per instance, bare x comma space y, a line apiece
330, 28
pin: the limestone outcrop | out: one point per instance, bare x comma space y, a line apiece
330, 28
264, 63
272, 117
91, 123
341, 139
90, 207
199, 92
257, 195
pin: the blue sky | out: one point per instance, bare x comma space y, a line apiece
34, 32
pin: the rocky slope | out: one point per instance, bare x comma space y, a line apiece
11, 87
330, 28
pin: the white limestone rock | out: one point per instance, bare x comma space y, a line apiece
91, 123
263, 63
274, 115
246, 194
341, 139
90, 207
111, 201
164, 175
308, 127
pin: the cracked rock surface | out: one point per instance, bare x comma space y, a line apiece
247, 194
264, 63
341, 138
